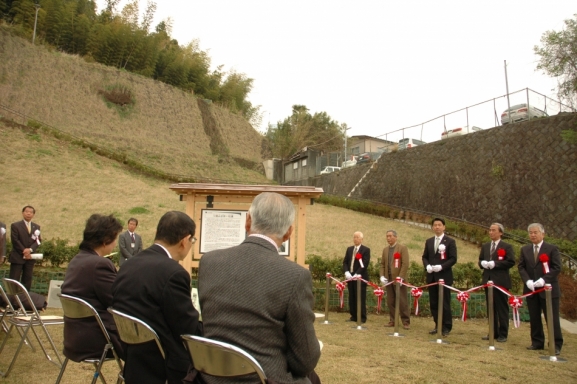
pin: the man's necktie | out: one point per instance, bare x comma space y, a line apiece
536, 252
132, 236
436, 244
492, 249
28, 227
353, 258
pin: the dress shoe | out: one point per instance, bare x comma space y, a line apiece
406, 326
534, 348
390, 324
433, 331
501, 339
557, 351
485, 337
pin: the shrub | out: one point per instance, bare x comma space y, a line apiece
57, 252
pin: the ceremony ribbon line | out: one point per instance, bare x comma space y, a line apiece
515, 302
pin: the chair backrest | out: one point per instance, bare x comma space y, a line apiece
16, 289
76, 308
134, 331
216, 358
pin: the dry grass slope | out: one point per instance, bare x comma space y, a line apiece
164, 129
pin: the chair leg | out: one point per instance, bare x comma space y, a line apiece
62, 371
22, 340
98, 366
59, 363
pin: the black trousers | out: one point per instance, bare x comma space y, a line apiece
352, 287
537, 305
434, 302
23, 270
500, 313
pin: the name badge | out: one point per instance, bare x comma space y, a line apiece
132, 245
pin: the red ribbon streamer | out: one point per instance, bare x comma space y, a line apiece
341, 289
397, 256
359, 257
379, 293
463, 297
416, 293
516, 302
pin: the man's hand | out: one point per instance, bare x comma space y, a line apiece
27, 254
348, 275
491, 264
484, 264
384, 280
437, 268
429, 268
530, 284
539, 283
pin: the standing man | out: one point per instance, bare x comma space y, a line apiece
156, 289
356, 262
129, 242
256, 299
395, 263
495, 259
25, 236
2, 243
540, 264
439, 256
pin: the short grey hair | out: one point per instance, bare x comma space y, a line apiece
500, 226
360, 234
538, 225
393, 232
271, 214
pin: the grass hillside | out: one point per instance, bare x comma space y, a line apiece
162, 127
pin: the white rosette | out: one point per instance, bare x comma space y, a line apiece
442, 251
2, 231
36, 236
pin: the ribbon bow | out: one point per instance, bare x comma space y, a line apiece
442, 251
36, 236
516, 302
544, 259
341, 289
501, 253
397, 256
463, 297
359, 257
379, 293
416, 293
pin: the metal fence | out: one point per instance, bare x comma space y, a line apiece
485, 115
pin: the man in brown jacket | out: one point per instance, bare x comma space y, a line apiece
395, 263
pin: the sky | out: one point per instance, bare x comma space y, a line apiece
378, 66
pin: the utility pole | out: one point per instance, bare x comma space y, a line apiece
345, 132
35, 21
507, 87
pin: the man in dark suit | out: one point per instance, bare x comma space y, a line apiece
2, 243
25, 237
391, 268
355, 264
439, 256
154, 288
129, 242
256, 299
495, 259
540, 264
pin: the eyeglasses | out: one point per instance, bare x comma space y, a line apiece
193, 240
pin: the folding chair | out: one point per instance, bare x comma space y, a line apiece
219, 359
75, 308
9, 312
28, 322
134, 331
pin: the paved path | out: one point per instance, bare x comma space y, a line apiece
568, 326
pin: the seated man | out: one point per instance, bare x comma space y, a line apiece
154, 288
253, 298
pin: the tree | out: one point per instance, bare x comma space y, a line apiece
558, 58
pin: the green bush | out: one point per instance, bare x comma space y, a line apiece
57, 252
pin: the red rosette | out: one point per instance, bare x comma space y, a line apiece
501, 253
416, 293
379, 293
359, 257
463, 297
341, 289
516, 302
545, 260
396, 256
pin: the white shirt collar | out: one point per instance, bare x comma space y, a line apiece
165, 250
496, 243
539, 245
265, 238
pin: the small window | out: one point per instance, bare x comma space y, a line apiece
295, 165
304, 163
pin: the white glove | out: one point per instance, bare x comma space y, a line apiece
484, 264
356, 276
539, 283
491, 264
384, 280
437, 268
429, 268
348, 275
530, 285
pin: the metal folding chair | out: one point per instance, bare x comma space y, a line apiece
28, 322
219, 359
134, 331
8, 312
75, 308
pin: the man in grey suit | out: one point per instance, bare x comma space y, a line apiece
129, 242
2, 243
256, 299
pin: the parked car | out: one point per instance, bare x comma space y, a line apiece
330, 169
363, 158
350, 163
521, 112
459, 131
410, 143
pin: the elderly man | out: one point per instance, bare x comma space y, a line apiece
154, 288
355, 263
540, 264
395, 263
495, 259
256, 299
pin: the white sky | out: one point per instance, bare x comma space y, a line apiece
378, 65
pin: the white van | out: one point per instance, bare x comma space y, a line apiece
409, 143
330, 169
459, 131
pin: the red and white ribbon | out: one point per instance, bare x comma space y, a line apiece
463, 297
397, 256
341, 289
36, 236
516, 302
545, 260
379, 293
416, 293
359, 257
